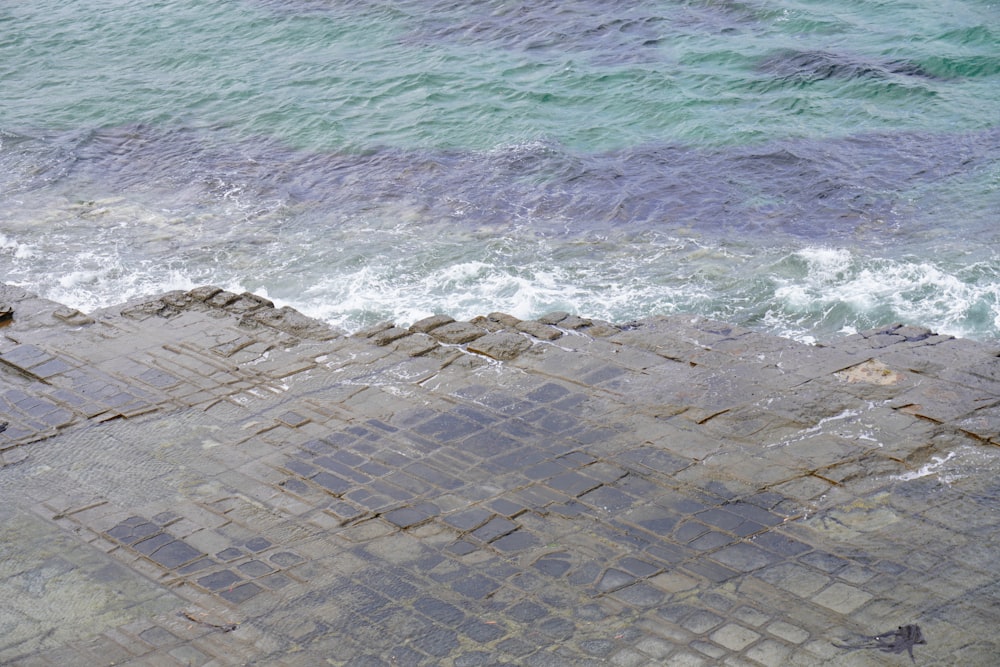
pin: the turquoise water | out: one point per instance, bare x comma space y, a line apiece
806, 167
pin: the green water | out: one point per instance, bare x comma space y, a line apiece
353, 75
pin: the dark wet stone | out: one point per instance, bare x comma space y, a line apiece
439, 611
573, 483
474, 659
603, 374
158, 636
585, 574
539, 330
51, 368
709, 570
396, 493
903, 638
255, 568
516, 541
554, 567
710, 540
751, 512
545, 470
374, 329
232, 553
700, 621
393, 586
559, 629
624, 535
315, 448
482, 631
466, 520
293, 419
781, 544
555, 317
674, 612
241, 593
447, 427
608, 499
690, 531
577, 458
515, 647
720, 519
527, 611
174, 554
285, 558
219, 580
374, 469
462, 548
476, 415
132, 530
614, 579
661, 526
164, 518
437, 642
496, 527
500, 345
506, 508
655, 459
640, 595
257, 544
389, 335
151, 544
888, 567
500, 569
372, 502
404, 656
590, 612
765, 500
476, 586
457, 333
197, 566
276, 581
406, 517
434, 476
570, 508
640, 568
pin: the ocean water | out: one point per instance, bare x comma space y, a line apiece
803, 167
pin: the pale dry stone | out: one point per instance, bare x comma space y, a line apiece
457, 333
429, 323
501, 345
539, 330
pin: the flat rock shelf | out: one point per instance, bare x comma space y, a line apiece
200, 478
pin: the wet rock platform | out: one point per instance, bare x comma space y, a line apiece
200, 478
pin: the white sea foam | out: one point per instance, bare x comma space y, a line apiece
967, 463
829, 281
464, 289
932, 468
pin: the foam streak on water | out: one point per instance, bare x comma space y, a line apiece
805, 169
